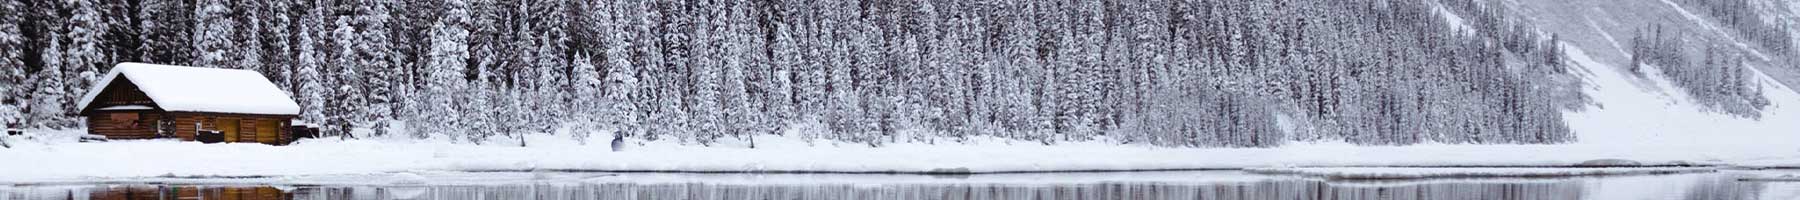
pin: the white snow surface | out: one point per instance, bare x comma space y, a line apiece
1468, 172
1653, 113
65, 161
1456, 22
195, 89
128, 107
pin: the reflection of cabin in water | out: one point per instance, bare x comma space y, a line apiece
142, 101
186, 192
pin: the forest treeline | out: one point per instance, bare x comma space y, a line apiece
1196, 73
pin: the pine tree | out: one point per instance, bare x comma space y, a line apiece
213, 30
586, 85
483, 44
550, 77
166, 37
310, 91
448, 57
13, 85
277, 52
784, 68
46, 108
374, 60
347, 104
706, 103
619, 110
248, 53
740, 117
85, 54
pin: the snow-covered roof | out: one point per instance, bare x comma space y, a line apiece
194, 89
128, 107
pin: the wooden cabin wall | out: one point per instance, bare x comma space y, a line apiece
246, 131
144, 124
105, 123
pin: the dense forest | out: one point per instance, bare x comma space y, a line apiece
1194, 73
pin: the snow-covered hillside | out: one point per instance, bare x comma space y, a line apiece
1649, 108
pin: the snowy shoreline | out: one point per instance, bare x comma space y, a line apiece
54, 161
1472, 172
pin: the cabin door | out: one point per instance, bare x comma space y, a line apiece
266, 132
228, 126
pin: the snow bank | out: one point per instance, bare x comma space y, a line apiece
1473, 172
69, 161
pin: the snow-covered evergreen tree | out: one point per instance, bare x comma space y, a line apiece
448, 57
278, 49
549, 80
585, 95
46, 107
13, 85
165, 36
379, 77
249, 49
213, 30
618, 106
84, 54
347, 104
736, 34
309, 74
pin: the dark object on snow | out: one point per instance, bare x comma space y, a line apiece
958, 170
14, 132
1610, 162
209, 136
618, 142
302, 132
93, 138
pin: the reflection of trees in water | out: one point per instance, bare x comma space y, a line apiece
1273, 189
1725, 187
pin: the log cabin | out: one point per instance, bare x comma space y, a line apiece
148, 101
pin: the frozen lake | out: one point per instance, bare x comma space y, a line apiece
1228, 184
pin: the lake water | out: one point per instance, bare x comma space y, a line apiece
1727, 184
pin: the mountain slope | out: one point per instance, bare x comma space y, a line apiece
1648, 107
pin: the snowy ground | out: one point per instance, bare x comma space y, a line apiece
70, 161
1469, 172
1141, 185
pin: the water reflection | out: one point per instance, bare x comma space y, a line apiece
122, 192
1689, 186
